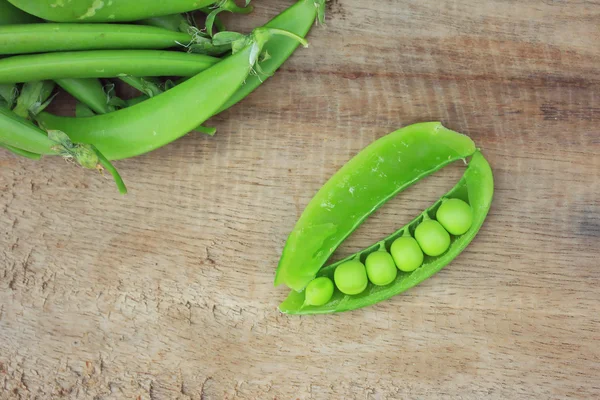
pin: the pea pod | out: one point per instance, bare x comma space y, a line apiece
22, 137
42, 38
164, 118
476, 187
102, 64
106, 10
379, 172
10, 14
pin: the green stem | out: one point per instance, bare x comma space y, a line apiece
112, 170
22, 134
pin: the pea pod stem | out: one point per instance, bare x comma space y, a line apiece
102, 64
111, 170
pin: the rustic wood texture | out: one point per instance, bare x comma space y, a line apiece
166, 293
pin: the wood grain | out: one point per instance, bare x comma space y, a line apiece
166, 293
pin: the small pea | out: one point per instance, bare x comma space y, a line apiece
381, 269
351, 277
319, 291
456, 216
407, 253
432, 237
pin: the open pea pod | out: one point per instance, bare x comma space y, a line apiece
379, 172
476, 188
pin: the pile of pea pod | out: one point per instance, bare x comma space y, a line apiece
404, 259
184, 73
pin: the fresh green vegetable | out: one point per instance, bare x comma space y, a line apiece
455, 216
82, 110
10, 15
476, 187
106, 10
297, 19
201, 42
160, 120
351, 277
21, 136
42, 38
381, 268
407, 254
152, 88
432, 238
88, 91
102, 64
319, 291
20, 152
34, 98
19, 133
8, 94
378, 173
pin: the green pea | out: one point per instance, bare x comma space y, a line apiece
407, 253
432, 237
319, 291
456, 216
351, 277
381, 269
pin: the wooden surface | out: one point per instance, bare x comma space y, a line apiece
167, 293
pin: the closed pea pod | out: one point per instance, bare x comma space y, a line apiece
102, 64
43, 38
475, 188
164, 118
10, 15
106, 10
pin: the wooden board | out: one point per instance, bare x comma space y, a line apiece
166, 293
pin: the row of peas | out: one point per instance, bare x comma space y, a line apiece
432, 237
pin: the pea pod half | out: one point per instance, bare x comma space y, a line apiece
475, 188
379, 172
